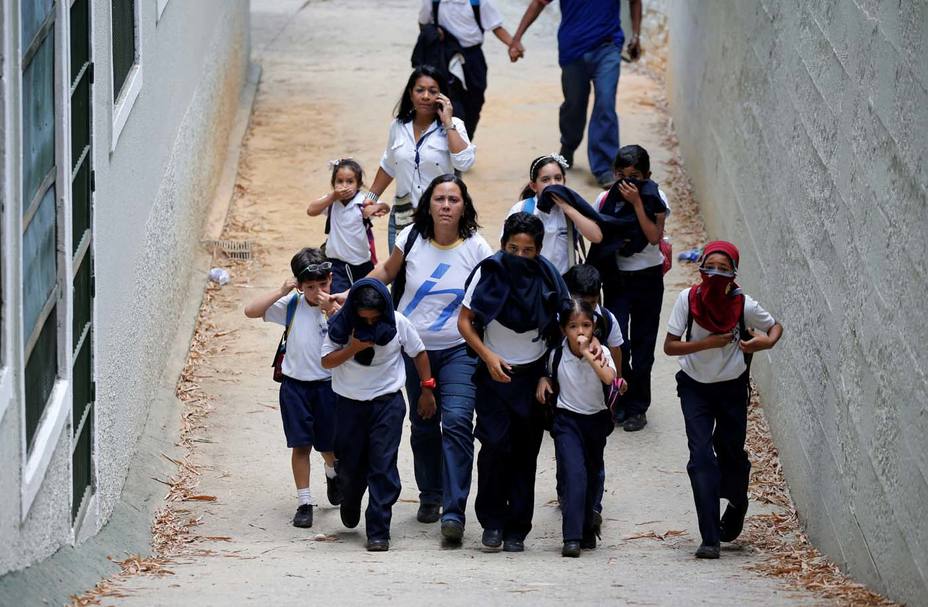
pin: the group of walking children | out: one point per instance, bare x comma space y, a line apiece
520, 340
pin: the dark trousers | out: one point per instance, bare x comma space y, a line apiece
579, 441
510, 429
716, 418
443, 446
635, 299
468, 103
345, 274
366, 445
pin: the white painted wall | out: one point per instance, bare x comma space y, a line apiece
154, 183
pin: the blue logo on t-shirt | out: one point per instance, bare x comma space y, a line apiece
426, 290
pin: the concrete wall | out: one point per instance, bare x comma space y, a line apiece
153, 188
803, 127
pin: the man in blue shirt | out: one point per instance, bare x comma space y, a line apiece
590, 40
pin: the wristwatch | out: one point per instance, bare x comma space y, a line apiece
429, 383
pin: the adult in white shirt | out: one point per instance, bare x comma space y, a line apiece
467, 22
550, 170
425, 141
429, 264
714, 328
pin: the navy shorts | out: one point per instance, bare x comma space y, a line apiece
308, 412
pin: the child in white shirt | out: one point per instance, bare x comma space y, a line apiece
582, 422
350, 246
307, 403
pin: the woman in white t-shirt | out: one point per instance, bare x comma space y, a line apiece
428, 267
544, 171
425, 141
714, 328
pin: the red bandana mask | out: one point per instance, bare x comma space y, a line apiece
716, 303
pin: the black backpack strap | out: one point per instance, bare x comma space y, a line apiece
689, 323
744, 335
475, 6
399, 283
435, 4
557, 354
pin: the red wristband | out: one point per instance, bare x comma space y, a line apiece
429, 383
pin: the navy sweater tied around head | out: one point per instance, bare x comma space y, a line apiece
347, 322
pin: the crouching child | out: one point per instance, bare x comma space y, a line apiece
364, 349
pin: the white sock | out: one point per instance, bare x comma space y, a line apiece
329, 472
304, 497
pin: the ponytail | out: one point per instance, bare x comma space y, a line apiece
527, 192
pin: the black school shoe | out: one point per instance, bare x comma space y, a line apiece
707, 551
513, 546
333, 488
428, 513
588, 542
492, 539
452, 532
304, 516
635, 422
351, 515
378, 545
571, 549
596, 524
732, 522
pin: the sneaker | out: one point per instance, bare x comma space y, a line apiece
513, 546
351, 515
378, 545
428, 513
452, 532
304, 516
571, 549
333, 488
635, 423
568, 156
707, 551
492, 539
732, 521
606, 180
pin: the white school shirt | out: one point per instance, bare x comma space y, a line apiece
579, 388
614, 339
434, 289
347, 235
457, 17
387, 371
555, 245
399, 159
514, 348
717, 364
648, 257
302, 360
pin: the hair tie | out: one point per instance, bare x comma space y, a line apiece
333, 164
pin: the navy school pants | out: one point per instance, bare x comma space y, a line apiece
716, 418
366, 444
510, 429
468, 103
579, 441
345, 274
635, 299
443, 446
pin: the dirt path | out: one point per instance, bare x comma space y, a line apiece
331, 74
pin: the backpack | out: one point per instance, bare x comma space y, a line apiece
282, 346
603, 326
399, 283
436, 50
610, 392
742, 334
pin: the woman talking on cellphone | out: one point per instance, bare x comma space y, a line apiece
425, 141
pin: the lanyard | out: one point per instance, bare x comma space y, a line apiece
419, 145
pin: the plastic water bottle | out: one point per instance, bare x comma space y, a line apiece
691, 255
220, 276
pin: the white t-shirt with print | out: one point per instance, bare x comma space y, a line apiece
347, 235
614, 339
514, 348
434, 289
304, 342
648, 257
717, 364
457, 17
579, 388
555, 245
387, 371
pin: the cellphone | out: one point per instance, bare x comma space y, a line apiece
439, 106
